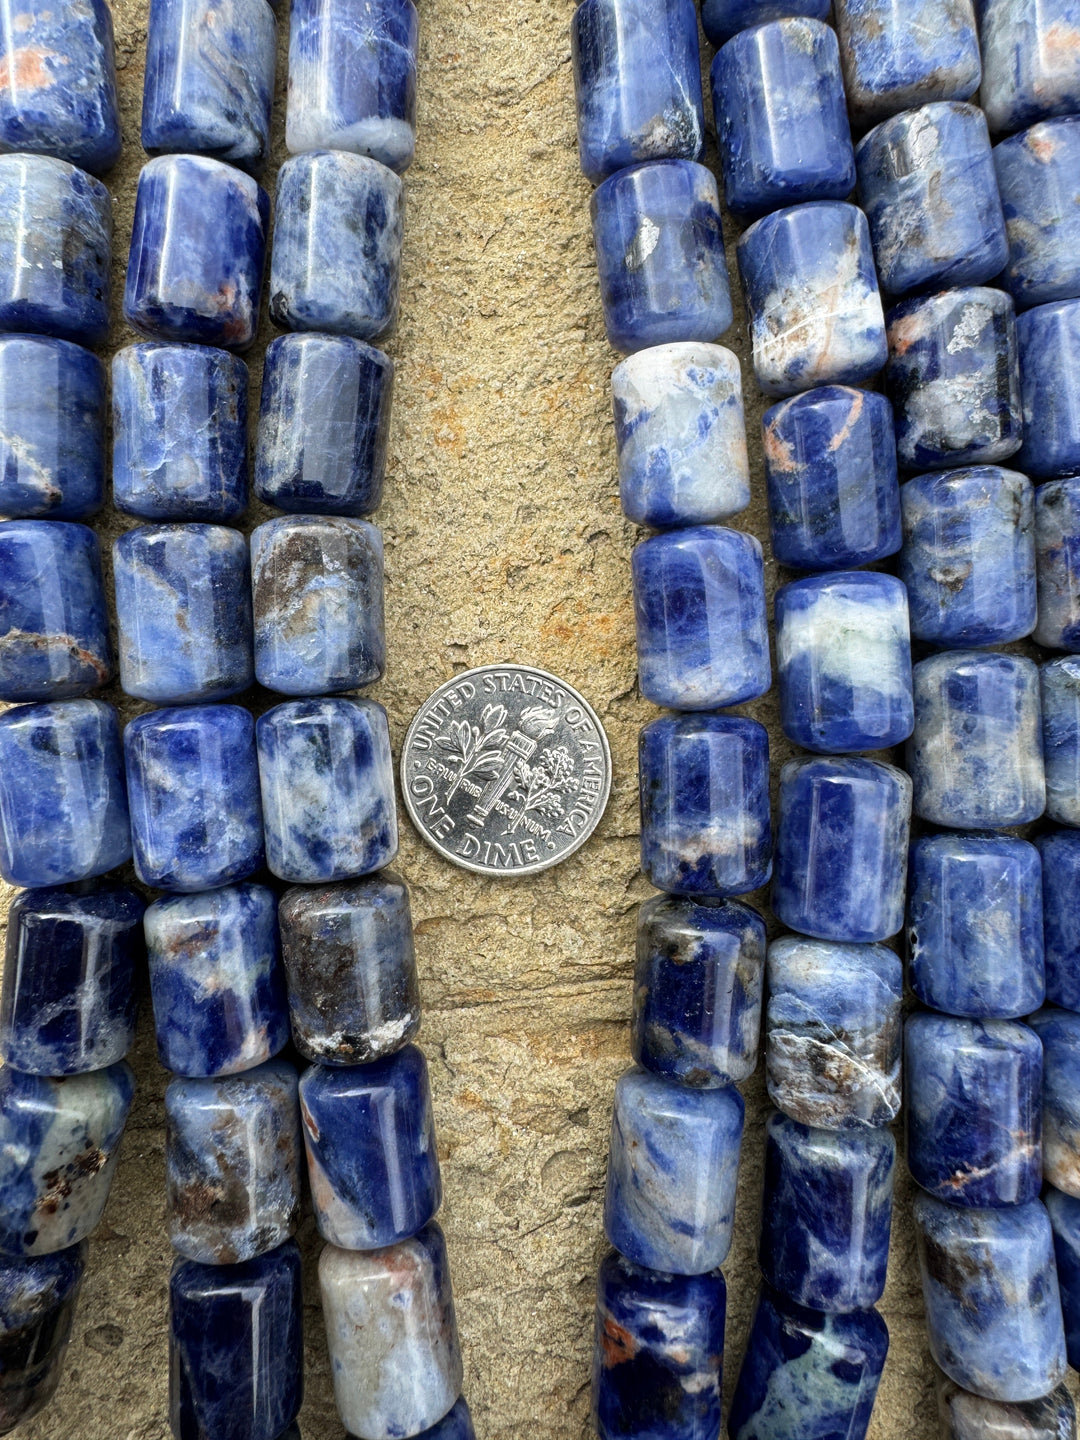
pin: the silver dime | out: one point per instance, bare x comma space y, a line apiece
506, 770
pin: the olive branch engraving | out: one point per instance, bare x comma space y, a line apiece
475, 749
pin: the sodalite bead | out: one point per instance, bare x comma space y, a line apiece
830, 465
54, 632
63, 803
658, 1353
392, 1335
896, 57
352, 78
197, 252
183, 609
193, 783
1038, 175
37, 1308
724, 18
52, 429
1059, 1031
328, 789
781, 120
843, 658
236, 1346
179, 432
822, 1369
812, 298
372, 1161
697, 990
1048, 338
826, 1214
1059, 851
348, 949
699, 604
672, 1169
991, 1295
680, 435
210, 79
637, 78
704, 783
964, 1416
1057, 563
660, 254
832, 1029
67, 1004
338, 228
841, 848
55, 243
1064, 1212
59, 1141
216, 980
323, 425
1060, 686
976, 754
1031, 61
455, 1426
975, 925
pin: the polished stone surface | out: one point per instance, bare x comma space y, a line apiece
67, 1003
54, 629
830, 466
1031, 61
672, 1171
179, 432
1057, 563
964, 1416
899, 56
457, 1425
1059, 1031
1060, 688
704, 791
722, 19
59, 1142
338, 227
637, 79
812, 298
37, 1307
1038, 175
323, 425
1048, 339
1064, 1212
1059, 851
354, 995
976, 755
660, 254
216, 980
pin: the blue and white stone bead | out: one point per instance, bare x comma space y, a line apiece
1048, 339
781, 121
457, 1425
392, 1335
1057, 563
198, 248
841, 848
1059, 1032
1060, 688
637, 79
672, 1171
975, 757
193, 784
1059, 851
722, 19
660, 255
323, 425
991, 1294
179, 432
830, 466
210, 79
216, 980
843, 658
704, 790
59, 1141
1031, 61
699, 607
1038, 175
67, 1003
52, 429
55, 244
964, 1416
1064, 1212
895, 59
680, 435
37, 1309
54, 630
697, 990
832, 1033
812, 298
338, 228
63, 802
328, 789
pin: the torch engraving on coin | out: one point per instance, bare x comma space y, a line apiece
506, 770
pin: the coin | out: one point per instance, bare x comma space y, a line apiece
506, 770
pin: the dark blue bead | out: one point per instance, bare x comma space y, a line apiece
1031, 60
323, 425
52, 429
780, 117
1038, 175
67, 1004
54, 631
896, 57
1048, 338
1059, 1031
1060, 688
724, 18
826, 1214
216, 980
964, 1416
1057, 563
236, 1347
455, 1426
658, 1353
37, 1308
197, 252
1059, 851
637, 77
1064, 1212
830, 464
660, 254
